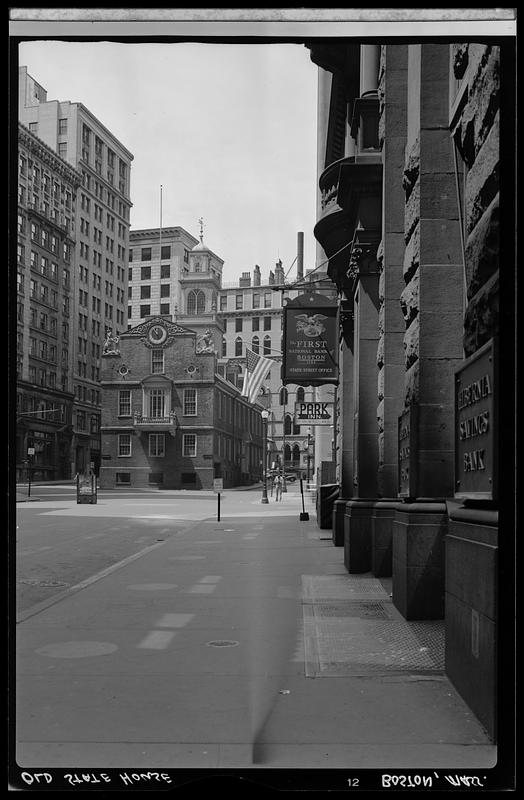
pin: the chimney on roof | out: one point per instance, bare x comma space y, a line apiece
271, 277
245, 280
279, 272
256, 276
300, 255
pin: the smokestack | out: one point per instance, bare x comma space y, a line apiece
300, 255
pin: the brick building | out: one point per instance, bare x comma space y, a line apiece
168, 418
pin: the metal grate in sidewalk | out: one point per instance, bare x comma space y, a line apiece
351, 627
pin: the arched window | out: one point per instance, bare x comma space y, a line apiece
300, 395
196, 302
238, 346
255, 344
287, 425
200, 302
287, 454
283, 396
296, 453
267, 345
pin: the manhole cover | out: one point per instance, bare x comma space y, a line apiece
45, 583
222, 643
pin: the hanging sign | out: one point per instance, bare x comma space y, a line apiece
314, 413
475, 426
310, 341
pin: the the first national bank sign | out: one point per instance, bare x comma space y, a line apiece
310, 340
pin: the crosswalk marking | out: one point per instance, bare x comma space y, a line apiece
157, 640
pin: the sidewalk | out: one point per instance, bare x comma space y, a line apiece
238, 644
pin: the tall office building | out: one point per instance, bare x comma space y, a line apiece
252, 312
157, 260
47, 188
101, 231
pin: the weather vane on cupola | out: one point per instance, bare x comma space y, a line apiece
201, 221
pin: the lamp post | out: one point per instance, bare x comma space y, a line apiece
284, 397
307, 447
265, 417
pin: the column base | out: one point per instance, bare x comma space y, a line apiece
418, 571
471, 610
339, 510
382, 537
357, 535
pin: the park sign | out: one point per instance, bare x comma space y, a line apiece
476, 426
310, 340
314, 413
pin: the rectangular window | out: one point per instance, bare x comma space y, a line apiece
157, 361
267, 299
62, 149
239, 301
157, 403
165, 270
124, 403
164, 289
157, 445
267, 323
166, 251
123, 478
145, 292
145, 311
190, 402
145, 273
164, 308
238, 324
124, 445
256, 324
223, 302
189, 445
256, 301
146, 254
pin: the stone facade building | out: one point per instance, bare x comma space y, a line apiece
101, 207
409, 157
47, 187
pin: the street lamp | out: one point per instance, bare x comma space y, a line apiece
308, 453
284, 396
265, 417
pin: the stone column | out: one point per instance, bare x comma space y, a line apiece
432, 304
369, 65
390, 353
357, 520
345, 455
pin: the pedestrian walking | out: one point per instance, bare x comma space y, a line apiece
278, 488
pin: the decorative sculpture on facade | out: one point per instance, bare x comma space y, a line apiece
111, 344
205, 343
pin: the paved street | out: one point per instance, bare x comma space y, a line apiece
239, 643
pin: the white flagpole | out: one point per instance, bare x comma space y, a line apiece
160, 224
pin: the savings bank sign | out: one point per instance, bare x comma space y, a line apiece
310, 341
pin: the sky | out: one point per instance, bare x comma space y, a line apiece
227, 130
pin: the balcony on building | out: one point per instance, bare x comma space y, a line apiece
155, 424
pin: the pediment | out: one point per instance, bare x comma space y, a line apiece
157, 331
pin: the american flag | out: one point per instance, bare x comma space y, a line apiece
256, 370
